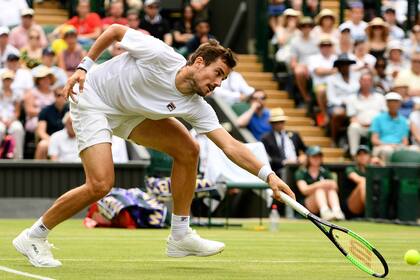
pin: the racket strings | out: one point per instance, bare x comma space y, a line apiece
359, 251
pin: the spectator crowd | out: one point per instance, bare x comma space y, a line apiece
359, 80
35, 65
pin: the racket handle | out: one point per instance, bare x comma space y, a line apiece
294, 204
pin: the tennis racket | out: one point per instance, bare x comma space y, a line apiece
354, 247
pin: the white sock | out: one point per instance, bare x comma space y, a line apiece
179, 226
38, 230
324, 209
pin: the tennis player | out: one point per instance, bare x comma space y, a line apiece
136, 95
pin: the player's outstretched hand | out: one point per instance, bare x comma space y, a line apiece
79, 76
277, 185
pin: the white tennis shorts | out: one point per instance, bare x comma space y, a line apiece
93, 125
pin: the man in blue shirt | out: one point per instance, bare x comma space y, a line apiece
389, 129
256, 118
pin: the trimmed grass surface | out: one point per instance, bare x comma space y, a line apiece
297, 251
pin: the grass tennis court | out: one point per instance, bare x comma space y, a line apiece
297, 251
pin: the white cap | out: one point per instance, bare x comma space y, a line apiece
150, 2
27, 12
395, 45
4, 30
393, 96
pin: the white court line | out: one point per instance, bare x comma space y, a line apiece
332, 261
6, 269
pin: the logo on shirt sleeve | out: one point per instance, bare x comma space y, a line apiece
171, 106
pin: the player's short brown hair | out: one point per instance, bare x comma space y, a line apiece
211, 51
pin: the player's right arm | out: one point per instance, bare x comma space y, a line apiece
113, 33
243, 157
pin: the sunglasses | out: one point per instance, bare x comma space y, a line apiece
34, 37
415, 60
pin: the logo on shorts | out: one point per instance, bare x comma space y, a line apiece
171, 106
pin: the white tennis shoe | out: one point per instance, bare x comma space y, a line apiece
37, 250
192, 245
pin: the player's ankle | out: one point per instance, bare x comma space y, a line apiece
38, 230
179, 226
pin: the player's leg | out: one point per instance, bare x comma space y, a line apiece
98, 166
356, 200
318, 202
99, 170
334, 203
171, 137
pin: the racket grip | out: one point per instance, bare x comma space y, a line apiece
294, 204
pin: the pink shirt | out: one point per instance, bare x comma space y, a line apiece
18, 37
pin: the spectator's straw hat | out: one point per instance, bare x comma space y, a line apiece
363, 148
42, 72
277, 115
291, 13
393, 96
27, 12
377, 22
306, 21
313, 151
325, 39
343, 59
325, 13
8, 74
4, 30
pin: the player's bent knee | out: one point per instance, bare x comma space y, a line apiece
189, 152
100, 188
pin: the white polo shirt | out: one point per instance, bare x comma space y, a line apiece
365, 108
141, 82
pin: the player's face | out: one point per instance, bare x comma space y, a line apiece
206, 78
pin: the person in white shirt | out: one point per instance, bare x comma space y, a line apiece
321, 67
396, 59
302, 47
5, 47
10, 12
361, 109
340, 87
63, 145
395, 32
23, 78
10, 108
326, 20
234, 89
356, 24
364, 60
136, 96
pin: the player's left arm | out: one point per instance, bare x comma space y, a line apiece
242, 156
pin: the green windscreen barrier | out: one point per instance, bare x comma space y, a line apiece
378, 191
